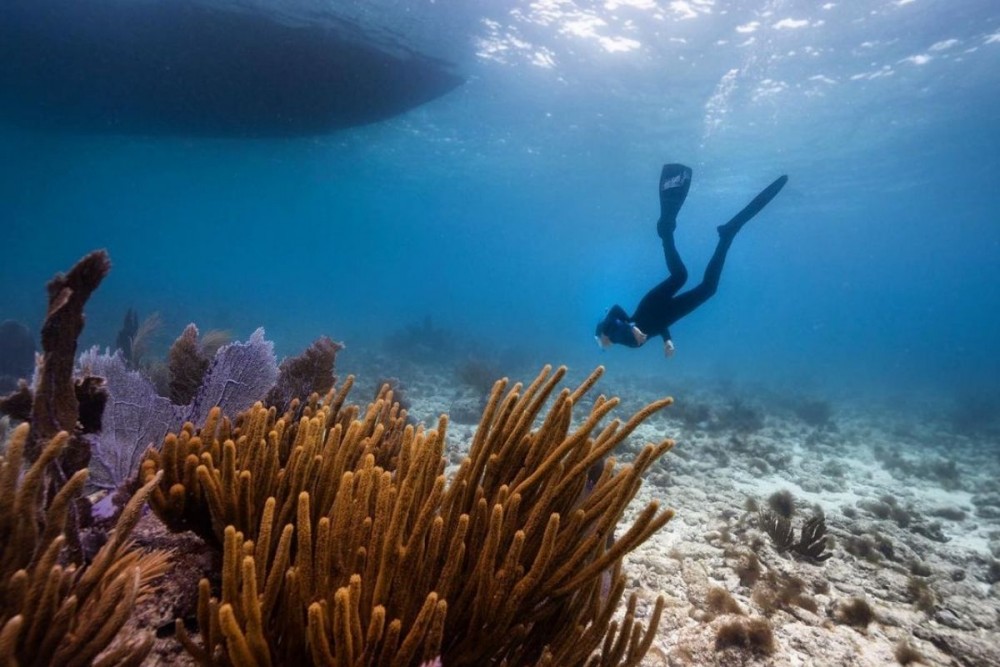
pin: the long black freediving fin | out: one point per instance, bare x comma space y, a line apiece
754, 207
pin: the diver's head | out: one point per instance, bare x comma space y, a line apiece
615, 330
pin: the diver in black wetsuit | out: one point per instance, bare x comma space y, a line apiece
662, 306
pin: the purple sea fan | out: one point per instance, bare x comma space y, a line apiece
137, 417
240, 375
134, 418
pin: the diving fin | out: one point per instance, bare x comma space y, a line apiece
675, 181
753, 208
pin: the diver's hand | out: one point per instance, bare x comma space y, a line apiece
640, 338
668, 348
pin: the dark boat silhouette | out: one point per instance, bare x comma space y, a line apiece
179, 67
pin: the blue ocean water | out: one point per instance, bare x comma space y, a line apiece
516, 208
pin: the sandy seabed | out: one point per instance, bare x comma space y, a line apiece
912, 512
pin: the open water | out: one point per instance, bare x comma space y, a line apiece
512, 210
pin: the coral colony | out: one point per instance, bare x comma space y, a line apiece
336, 536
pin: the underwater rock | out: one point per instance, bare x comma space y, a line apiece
163, 68
965, 648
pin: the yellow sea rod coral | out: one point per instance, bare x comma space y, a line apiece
343, 542
56, 614
221, 474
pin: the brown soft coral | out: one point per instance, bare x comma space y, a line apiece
341, 538
57, 614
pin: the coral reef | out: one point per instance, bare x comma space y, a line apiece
811, 545
341, 538
112, 413
187, 363
134, 416
240, 375
398, 389
59, 402
300, 376
55, 406
51, 612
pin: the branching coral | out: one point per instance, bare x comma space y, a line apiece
812, 542
60, 403
188, 364
56, 407
779, 528
311, 371
811, 545
343, 544
223, 474
57, 614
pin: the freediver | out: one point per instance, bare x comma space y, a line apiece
662, 305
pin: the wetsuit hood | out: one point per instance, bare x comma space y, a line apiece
618, 330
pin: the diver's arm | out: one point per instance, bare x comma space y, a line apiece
640, 337
668, 343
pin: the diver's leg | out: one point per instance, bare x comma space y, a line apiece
675, 181
616, 312
684, 303
655, 301
678, 273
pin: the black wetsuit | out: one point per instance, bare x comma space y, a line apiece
662, 305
